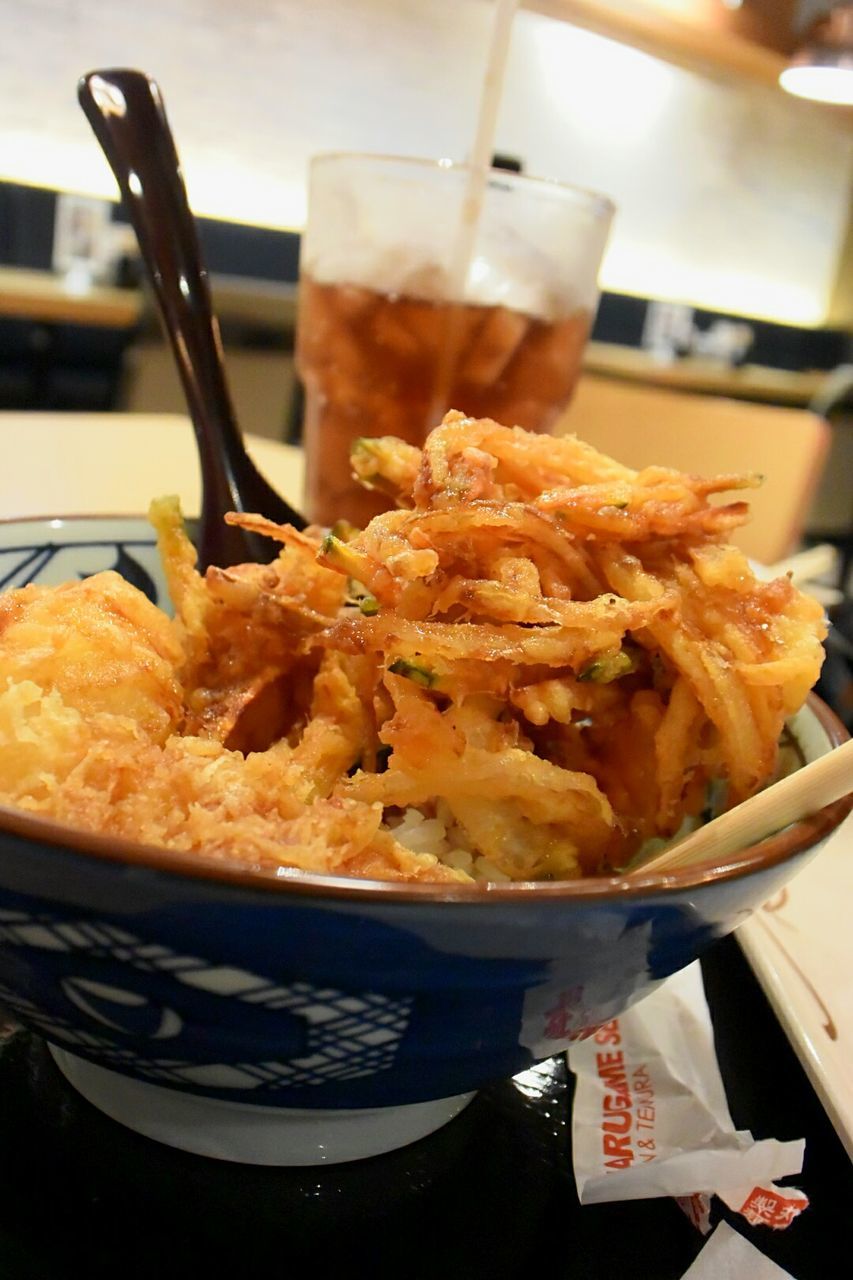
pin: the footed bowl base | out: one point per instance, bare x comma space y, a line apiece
237, 1131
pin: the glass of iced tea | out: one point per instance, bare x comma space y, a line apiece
388, 340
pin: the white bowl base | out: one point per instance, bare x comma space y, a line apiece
248, 1134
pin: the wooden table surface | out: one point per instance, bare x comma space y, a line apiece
112, 463
47, 298
709, 377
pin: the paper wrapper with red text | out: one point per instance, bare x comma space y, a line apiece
651, 1118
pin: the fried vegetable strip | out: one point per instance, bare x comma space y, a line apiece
241, 629
538, 661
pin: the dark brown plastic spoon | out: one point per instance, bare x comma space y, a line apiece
126, 111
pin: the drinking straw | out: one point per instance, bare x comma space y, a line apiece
462, 249
480, 161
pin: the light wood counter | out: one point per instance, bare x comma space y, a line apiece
45, 297
711, 377
115, 463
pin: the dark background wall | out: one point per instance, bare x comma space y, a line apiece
68, 366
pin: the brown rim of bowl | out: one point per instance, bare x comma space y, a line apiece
79, 516
767, 853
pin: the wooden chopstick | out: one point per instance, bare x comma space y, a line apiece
811, 788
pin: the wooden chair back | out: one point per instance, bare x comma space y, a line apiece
710, 435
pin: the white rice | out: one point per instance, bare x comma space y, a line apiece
442, 837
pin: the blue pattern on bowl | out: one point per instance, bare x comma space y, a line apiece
129, 548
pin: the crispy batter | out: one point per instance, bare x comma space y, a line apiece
241, 629
191, 794
548, 653
99, 643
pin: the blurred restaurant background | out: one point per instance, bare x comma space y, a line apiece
729, 271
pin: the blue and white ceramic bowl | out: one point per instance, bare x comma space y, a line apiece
297, 1019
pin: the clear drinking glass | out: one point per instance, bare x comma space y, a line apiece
387, 341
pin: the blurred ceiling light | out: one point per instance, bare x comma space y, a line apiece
823, 68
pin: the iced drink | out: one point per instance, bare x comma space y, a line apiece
385, 348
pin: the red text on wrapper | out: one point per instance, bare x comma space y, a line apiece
627, 1107
698, 1210
770, 1207
566, 1019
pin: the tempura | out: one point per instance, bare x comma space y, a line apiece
538, 662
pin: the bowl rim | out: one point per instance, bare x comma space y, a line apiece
173, 863
85, 517
168, 863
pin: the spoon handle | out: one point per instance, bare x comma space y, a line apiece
127, 114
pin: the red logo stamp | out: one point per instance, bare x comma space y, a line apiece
769, 1207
